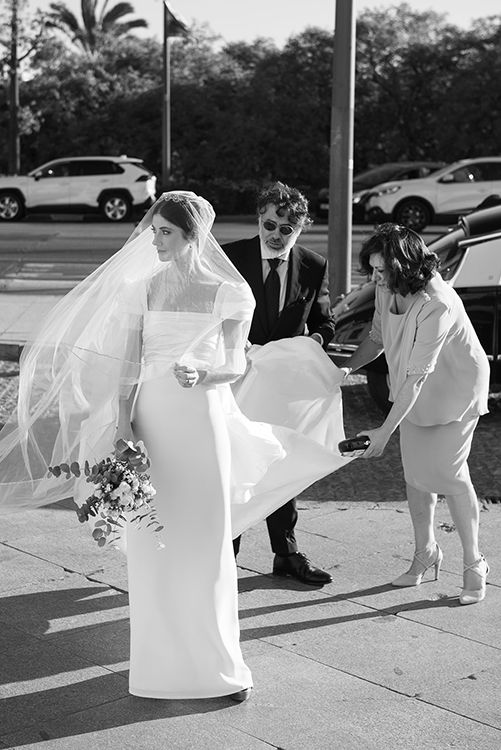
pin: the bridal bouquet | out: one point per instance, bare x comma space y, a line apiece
122, 492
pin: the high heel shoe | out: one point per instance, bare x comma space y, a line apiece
481, 568
414, 579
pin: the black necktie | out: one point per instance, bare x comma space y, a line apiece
272, 292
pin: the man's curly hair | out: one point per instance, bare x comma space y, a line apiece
288, 201
409, 265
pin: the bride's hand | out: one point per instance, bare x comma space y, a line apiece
186, 375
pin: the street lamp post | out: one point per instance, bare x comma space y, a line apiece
341, 150
173, 26
14, 146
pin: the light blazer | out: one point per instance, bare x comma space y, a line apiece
307, 303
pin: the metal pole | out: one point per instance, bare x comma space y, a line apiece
166, 129
14, 145
341, 150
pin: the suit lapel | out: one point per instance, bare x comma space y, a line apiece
293, 285
254, 274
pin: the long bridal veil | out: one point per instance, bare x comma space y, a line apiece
88, 353
284, 417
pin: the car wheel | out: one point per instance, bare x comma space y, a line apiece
414, 214
115, 207
377, 383
11, 207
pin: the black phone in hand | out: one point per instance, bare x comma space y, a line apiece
355, 446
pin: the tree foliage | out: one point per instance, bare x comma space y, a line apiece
244, 113
97, 26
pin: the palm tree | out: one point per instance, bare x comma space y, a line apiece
95, 26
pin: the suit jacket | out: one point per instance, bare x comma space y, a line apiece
307, 303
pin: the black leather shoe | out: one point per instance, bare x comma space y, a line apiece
298, 566
242, 695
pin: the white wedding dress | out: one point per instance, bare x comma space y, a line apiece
212, 467
183, 598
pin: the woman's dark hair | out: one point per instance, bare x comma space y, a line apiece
287, 200
409, 265
180, 213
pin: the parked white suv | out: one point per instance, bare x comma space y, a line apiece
447, 193
109, 185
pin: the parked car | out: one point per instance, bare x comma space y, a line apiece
470, 260
364, 181
446, 194
110, 185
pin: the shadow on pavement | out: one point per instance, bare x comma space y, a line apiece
270, 631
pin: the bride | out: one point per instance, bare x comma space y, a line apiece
146, 349
183, 603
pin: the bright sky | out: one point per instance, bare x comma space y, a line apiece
277, 19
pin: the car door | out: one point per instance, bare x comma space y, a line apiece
467, 186
483, 305
50, 186
90, 178
478, 283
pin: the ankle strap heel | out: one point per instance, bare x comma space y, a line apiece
414, 579
472, 596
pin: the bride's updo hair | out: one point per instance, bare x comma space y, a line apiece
181, 212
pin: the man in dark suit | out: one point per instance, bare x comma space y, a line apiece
290, 286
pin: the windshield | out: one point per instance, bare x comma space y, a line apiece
447, 169
376, 175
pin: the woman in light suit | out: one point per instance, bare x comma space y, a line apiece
439, 377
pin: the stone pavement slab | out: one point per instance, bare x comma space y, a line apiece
354, 665
375, 642
19, 569
43, 681
327, 709
106, 644
21, 313
333, 667
138, 724
475, 696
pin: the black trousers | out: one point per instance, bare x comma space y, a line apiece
281, 525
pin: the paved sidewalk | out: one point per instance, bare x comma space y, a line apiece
356, 665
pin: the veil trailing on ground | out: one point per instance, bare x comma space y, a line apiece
87, 354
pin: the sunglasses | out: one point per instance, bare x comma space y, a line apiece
284, 229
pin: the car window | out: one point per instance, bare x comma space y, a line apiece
91, 167
409, 174
425, 171
463, 174
487, 170
376, 176
61, 169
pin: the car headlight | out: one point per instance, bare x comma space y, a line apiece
359, 197
387, 190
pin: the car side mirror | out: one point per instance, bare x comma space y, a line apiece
447, 178
37, 176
